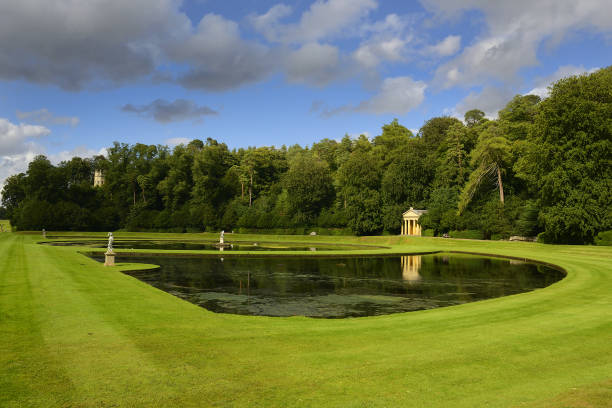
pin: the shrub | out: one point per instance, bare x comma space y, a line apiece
467, 234
604, 238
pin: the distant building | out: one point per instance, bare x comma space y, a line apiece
410, 222
98, 178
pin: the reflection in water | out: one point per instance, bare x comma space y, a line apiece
411, 265
339, 286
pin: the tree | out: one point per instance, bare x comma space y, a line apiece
489, 157
359, 185
453, 166
473, 117
309, 185
568, 162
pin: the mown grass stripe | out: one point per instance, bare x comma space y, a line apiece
499, 352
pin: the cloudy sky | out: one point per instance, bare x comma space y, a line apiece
76, 76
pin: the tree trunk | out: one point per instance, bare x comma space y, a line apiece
134, 197
501, 186
460, 164
241, 190
251, 191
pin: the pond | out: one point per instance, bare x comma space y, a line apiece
209, 245
338, 287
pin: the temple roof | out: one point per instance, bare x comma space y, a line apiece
414, 212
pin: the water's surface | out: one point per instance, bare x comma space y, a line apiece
208, 245
340, 287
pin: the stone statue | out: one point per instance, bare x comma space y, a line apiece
221, 238
110, 243
44, 233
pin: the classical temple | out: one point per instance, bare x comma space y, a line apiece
410, 222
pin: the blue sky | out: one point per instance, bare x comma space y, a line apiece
76, 76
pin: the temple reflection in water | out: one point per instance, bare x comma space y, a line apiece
411, 265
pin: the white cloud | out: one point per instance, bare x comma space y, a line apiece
370, 54
219, 58
448, 46
490, 100
77, 43
384, 40
79, 151
267, 23
322, 20
18, 146
397, 95
175, 141
44, 116
14, 164
391, 24
515, 32
164, 111
313, 63
541, 87
15, 139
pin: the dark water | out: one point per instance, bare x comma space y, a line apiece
340, 287
209, 245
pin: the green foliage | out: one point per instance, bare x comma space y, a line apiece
428, 233
542, 167
527, 223
489, 158
604, 238
474, 117
309, 185
363, 212
467, 234
568, 160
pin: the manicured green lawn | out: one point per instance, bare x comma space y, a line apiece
76, 334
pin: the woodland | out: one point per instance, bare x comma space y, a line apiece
542, 168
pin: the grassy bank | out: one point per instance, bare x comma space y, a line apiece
74, 333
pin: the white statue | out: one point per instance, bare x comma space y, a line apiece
110, 242
221, 238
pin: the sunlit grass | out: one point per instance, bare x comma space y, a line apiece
76, 333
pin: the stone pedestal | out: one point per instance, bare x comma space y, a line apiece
109, 258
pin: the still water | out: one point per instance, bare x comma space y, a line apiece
209, 245
340, 287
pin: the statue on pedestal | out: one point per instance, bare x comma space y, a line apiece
109, 255
111, 239
221, 238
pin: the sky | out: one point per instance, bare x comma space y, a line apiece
77, 76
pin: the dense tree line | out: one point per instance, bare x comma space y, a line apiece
543, 167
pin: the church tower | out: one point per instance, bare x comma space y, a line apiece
98, 178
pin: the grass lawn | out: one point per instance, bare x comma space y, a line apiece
74, 333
